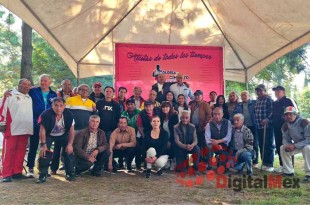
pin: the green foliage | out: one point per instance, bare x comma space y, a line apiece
234, 86
304, 103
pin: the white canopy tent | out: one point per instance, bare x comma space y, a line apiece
253, 33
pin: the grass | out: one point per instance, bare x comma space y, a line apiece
125, 188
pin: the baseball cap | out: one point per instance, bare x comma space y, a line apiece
279, 87
97, 84
198, 92
130, 100
148, 102
290, 109
261, 87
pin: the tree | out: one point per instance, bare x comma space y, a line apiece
26, 64
304, 103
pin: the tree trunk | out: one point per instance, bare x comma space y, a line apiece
26, 63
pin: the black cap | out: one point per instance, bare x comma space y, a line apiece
279, 87
198, 92
130, 100
148, 102
261, 87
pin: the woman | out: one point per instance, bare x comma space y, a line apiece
181, 105
155, 146
170, 97
233, 102
220, 102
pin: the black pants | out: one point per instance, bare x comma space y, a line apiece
255, 143
68, 158
138, 152
278, 140
220, 161
82, 165
181, 157
56, 156
33, 147
128, 153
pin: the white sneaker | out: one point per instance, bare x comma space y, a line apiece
255, 166
268, 169
167, 166
30, 173
279, 169
172, 166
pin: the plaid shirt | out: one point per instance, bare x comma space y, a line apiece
263, 110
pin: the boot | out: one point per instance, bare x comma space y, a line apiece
148, 173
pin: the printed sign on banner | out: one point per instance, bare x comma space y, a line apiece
139, 65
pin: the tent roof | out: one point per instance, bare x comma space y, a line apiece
253, 33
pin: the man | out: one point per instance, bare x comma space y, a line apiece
263, 114
218, 135
212, 96
81, 106
56, 124
242, 145
181, 88
296, 139
131, 114
122, 144
97, 92
246, 108
90, 148
200, 116
186, 141
161, 87
66, 90
121, 98
109, 112
137, 91
278, 120
152, 98
145, 117
41, 101
16, 114
232, 103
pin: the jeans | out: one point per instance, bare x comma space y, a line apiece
269, 148
68, 158
181, 157
33, 147
255, 143
245, 158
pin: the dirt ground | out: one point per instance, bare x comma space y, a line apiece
128, 188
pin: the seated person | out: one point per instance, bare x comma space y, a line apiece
296, 139
155, 146
122, 144
56, 125
90, 148
186, 141
218, 135
242, 145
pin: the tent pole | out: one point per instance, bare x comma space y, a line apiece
78, 74
246, 80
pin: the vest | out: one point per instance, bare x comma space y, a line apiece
186, 138
219, 134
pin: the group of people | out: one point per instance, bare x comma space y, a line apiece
174, 128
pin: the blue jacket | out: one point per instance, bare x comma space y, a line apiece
38, 105
251, 107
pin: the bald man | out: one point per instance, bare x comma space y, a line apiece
181, 88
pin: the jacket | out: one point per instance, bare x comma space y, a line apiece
81, 141
251, 107
204, 114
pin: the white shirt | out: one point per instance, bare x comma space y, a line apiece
176, 89
16, 112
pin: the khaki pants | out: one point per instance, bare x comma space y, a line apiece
287, 159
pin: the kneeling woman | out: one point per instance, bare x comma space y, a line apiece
155, 146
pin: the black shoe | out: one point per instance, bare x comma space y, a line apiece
70, 177
148, 173
121, 166
7, 179
42, 179
19, 176
288, 174
160, 172
306, 179
62, 167
114, 170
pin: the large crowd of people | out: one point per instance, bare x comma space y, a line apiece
175, 128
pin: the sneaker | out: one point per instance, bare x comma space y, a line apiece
306, 179
53, 172
30, 173
19, 176
268, 169
42, 179
167, 166
160, 172
255, 166
172, 166
62, 167
279, 169
70, 177
7, 179
114, 170
288, 174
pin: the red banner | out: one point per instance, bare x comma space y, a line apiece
138, 65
